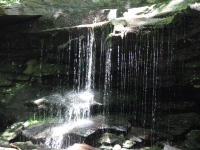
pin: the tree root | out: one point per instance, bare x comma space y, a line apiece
14, 146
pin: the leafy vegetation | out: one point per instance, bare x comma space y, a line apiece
8, 2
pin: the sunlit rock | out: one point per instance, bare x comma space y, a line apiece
4, 148
169, 147
136, 139
128, 144
56, 133
117, 147
14, 131
83, 146
144, 64
110, 139
25, 145
30, 66
106, 147
4, 142
195, 6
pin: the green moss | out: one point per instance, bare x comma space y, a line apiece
197, 86
3, 139
25, 145
8, 2
37, 120
20, 85
119, 22
16, 127
160, 22
153, 148
106, 3
122, 138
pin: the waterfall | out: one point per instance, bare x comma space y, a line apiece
73, 108
126, 71
89, 61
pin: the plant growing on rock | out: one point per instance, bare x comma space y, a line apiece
8, 2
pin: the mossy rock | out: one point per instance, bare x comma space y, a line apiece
179, 123
193, 64
159, 21
193, 140
13, 131
5, 82
43, 69
3, 142
109, 138
25, 145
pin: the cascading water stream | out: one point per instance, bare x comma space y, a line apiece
77, 102
89, 62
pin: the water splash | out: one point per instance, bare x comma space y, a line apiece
73, 108
58, 133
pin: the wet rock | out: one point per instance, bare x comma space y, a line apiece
136, 134
136, 139
30, 66
4, 148
12, 68
47, 69
164, 135
128, 144
20, 77
4, 142
28, 145
168, 147
151, 1
133, 148
5, 82
179, 123
195, 6
117, 147
9, 77
194, 64
139, 137
110, 139
193, 140
83, 130
105, 147
83, 146
170, 106
35, 69
12, 132
64, 105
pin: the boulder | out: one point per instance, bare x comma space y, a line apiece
54, 134
12, 132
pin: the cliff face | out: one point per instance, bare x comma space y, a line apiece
145, 59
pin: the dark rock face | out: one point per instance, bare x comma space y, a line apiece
147, 66
192, 141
